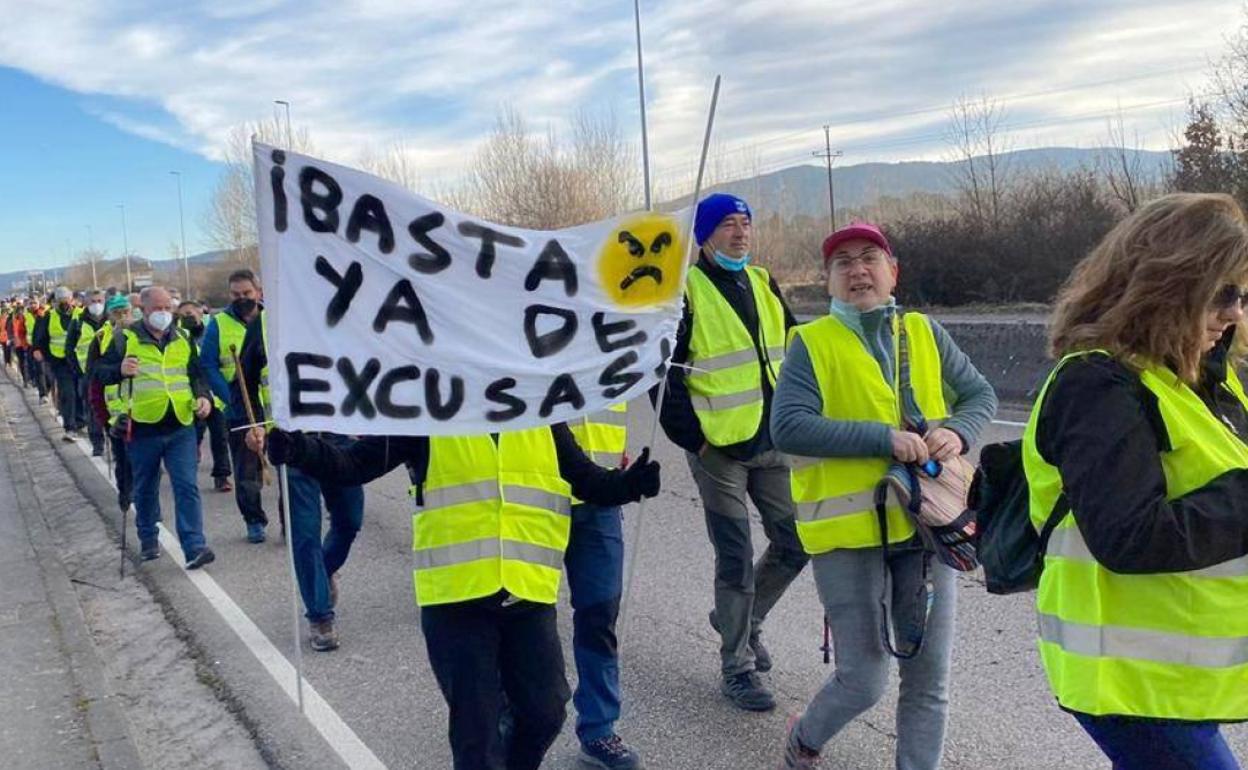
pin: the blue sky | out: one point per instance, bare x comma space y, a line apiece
100, 99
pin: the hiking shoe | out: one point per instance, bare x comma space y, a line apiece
222, 484
797, 756
150, 551
762, 658
255, 532
206, 556
747, 692
323, 637
68, 438
333, 590
611, 753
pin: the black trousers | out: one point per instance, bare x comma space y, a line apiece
247, 482
66, 392
218, 441
481, 651
121, 472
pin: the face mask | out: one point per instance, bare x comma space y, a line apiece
190, 324
243, 307
159, 320
95, 308
733, 264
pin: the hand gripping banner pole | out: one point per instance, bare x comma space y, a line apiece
630, 579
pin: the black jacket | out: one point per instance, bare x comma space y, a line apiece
679, 421
1103, 430
372, 457
108, 371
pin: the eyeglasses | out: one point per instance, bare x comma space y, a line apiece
871, 259
1228, 297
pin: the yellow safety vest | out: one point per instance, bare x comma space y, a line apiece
835, 495
162, 379
1170, 646
725, 381
113, 400
603, 435
495, 517
265, 400
86, 332
56, 334
230, 331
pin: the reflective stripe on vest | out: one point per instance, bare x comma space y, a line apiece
86, 333
725, 379
603, 435
57, 333
1164, 645
230, 332
494, 517
835, 496
162, 380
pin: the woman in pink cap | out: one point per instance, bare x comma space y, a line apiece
841, 409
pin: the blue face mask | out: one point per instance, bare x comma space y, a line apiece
730, 263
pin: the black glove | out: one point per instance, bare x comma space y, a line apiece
642, 477
283, 447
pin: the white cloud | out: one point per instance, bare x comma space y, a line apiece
433, 73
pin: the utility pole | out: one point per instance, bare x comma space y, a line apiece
186, 265
125, 245
830, 156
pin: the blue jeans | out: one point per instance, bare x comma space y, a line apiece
595, 566
1159, 744
315, 560
177, 449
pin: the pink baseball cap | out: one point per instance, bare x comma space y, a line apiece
863, 230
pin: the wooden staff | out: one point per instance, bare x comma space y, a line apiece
251, 413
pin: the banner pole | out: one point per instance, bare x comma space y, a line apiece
641, 93
283, 486
639, 530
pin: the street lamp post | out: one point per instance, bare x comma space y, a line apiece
125, 245
186, 265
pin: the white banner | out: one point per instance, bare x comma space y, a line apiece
390, 314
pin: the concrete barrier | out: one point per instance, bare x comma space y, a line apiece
1011, 354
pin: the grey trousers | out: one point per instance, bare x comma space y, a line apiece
850, 582
746, 591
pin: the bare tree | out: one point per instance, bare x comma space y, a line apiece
974, 135
394, 162
539, 182
1120, 166
230, 219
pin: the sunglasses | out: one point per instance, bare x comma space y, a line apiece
1229, 296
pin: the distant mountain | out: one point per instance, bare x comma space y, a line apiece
54, 274
804, 189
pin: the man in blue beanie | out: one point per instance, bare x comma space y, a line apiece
717, 408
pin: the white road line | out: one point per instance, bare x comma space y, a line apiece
341, 738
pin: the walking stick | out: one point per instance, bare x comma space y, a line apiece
283, 485
251, 413
121, 571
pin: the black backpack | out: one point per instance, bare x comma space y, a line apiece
1011, 552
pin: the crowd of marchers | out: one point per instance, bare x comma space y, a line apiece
1135, 456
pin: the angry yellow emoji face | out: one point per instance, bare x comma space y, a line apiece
640, 263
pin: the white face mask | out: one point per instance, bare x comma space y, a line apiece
160, 319
95, 308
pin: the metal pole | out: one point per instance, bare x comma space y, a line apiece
630, 578
829, 156
186, 265
125, 245
290, 145
641, 95
284, 487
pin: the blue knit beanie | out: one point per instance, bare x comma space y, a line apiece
713, 209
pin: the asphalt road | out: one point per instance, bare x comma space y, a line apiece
379, 683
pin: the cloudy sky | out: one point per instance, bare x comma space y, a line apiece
101, 99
